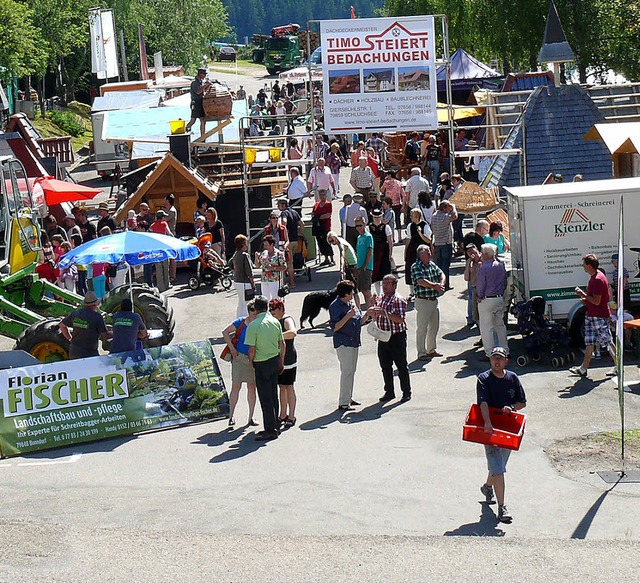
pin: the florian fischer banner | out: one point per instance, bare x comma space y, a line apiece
58, 404
379, 74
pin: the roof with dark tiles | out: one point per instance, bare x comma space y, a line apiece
555, 119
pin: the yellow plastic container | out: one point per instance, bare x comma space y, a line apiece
275, 154
177, 126
250, 155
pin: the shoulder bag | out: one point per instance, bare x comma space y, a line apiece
378, 333
226, 351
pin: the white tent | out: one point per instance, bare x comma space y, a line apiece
301, 75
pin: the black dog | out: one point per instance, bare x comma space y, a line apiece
314, 302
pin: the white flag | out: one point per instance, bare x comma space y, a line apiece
109, 46
98, 63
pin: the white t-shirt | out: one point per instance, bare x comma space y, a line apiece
415, 185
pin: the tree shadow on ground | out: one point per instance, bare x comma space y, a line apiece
486, 526
583, 386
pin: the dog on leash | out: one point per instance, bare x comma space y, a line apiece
314, 302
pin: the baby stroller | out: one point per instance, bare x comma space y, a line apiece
210, 268
541, 335
300, 255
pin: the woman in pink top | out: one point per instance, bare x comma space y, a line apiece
392, 188
294, 153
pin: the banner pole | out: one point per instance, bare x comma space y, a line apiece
620, 329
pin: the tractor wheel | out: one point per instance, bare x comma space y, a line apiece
44, 341
272, 70
152, 307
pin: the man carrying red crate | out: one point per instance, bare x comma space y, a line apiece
502, 389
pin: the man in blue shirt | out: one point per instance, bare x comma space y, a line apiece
364, 267
128, 327
491, 283
501, 389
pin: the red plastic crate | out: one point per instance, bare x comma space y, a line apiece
508, 428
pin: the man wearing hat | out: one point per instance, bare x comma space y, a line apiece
472, 165
87, 326
198, 88
106, 220
501, 389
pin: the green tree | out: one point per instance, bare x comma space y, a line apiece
21, 43
182, 29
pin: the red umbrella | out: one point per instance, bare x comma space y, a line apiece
57, 191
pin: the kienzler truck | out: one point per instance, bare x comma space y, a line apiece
552, 226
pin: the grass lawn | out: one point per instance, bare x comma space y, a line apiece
48, 129
244, 66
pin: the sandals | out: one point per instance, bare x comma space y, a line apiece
232, 422
252, 423
289, 422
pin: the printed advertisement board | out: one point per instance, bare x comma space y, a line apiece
58, 404
379, 74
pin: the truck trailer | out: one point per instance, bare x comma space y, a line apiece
553, 226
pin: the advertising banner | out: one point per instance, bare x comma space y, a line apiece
59, 404
379, 74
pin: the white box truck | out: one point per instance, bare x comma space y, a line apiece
553, 226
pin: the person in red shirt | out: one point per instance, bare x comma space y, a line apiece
596, 322
373, 161
322, 225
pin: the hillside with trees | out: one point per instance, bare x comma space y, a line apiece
260, 16
604, 34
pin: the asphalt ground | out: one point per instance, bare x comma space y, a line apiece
386, 492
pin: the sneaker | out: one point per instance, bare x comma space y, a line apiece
578, 370
611, 373
487, 492
504, 516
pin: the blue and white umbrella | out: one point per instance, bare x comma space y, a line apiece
130, 247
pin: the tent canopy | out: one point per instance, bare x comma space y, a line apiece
620, 138
466, 71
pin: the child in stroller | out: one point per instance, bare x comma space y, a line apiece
210, 268
541, 335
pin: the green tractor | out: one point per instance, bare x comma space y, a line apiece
30, 307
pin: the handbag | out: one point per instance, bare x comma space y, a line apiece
249, 293
316, 227
226, 351
378, 333
283, 289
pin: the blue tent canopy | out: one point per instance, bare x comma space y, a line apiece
466, 72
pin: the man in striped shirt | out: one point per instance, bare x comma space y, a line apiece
389, 312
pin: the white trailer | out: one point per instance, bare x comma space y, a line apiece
553, 226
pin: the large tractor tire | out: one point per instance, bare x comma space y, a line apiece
152, 307
44, 341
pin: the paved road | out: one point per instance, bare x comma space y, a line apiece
382, 493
